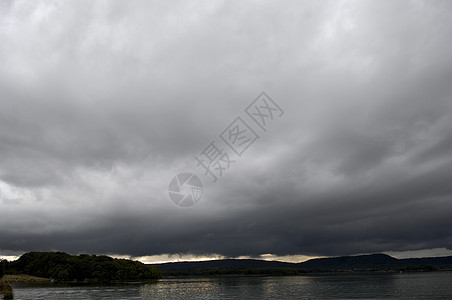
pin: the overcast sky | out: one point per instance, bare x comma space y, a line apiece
102, 103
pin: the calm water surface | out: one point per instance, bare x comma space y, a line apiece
436, 285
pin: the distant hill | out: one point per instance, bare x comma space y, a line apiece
350, 262
226, 263
372, 262
440, 262
375, 261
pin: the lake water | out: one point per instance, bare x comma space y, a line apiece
436, 285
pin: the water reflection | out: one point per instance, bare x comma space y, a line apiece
435, 285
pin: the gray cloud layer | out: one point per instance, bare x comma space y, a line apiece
103, 103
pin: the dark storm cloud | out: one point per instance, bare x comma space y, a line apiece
102, 104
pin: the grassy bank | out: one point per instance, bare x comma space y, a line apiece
6, 290
24, 279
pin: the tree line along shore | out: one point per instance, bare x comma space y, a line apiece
50, 267
63, 267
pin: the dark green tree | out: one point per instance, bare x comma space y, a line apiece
4, 264
65, 267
